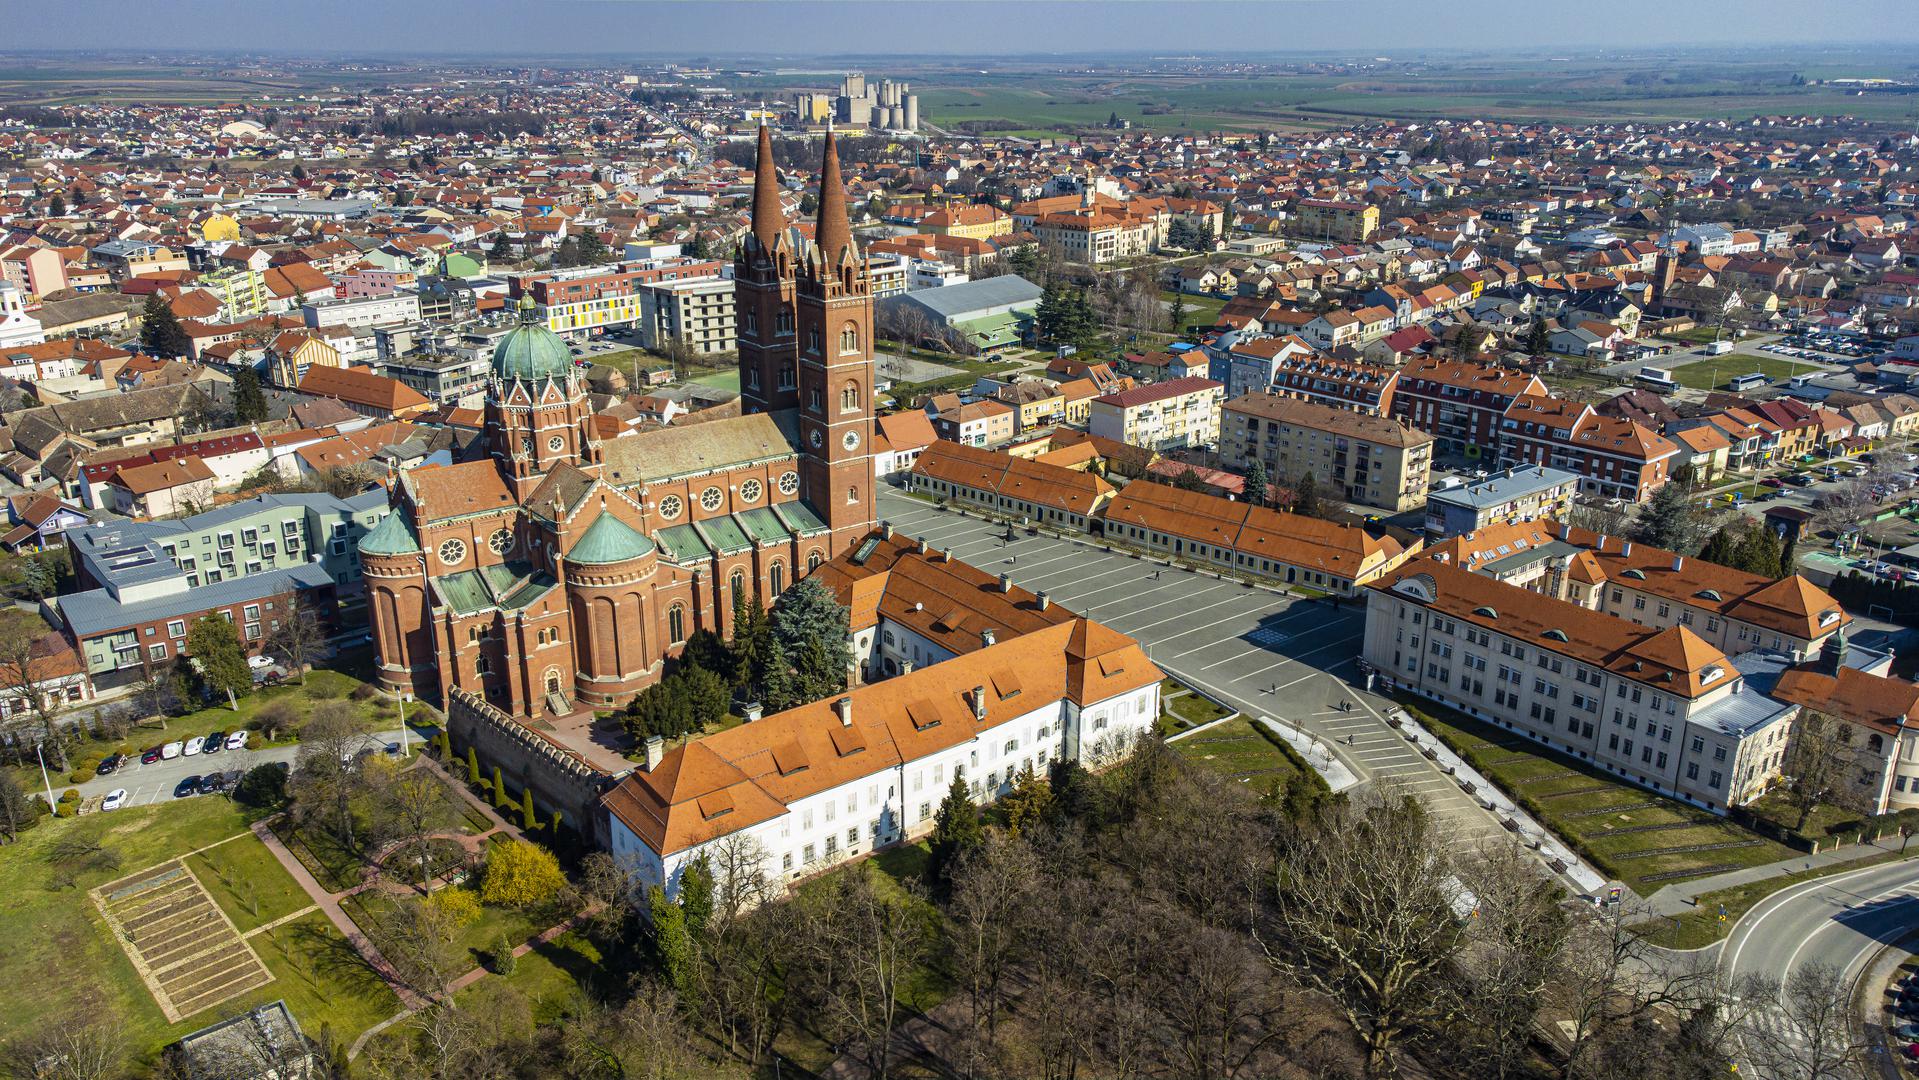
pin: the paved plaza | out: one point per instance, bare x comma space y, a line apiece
1256, 650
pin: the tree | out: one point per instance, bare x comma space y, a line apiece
519, 874
40, 575
301, 633
1365, 909
1189, 480
1761, 553
811, 626
56, 207
1670, 520
263, 787
672, 942
18, 810
1306, 497
72, 1047
1258, 482
1598, 518
1538, 340
1819, 763
502, 248
645, 1039
327, 780
31, 669
1178, 312
1722, 548
865, 949
472, 766
160, 331
215, 647
413, 802
249, 401
1028, 803
956, 831
992, 924
1511, 955
1810, 1033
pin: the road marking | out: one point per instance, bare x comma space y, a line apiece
1744, 930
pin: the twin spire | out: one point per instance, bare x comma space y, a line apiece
832, 235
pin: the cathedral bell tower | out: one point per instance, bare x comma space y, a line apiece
537, 413
763, 296
836, 368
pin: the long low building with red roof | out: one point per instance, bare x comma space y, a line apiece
1010, 682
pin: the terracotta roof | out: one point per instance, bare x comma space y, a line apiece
162, 475
446, 491
1002, 474
1876, 701
1344, 551
360, 387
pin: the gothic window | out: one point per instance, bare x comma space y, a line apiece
753, 378
850, 396
738, 583
852, 495
786, 375
452, 551
783, 323
556, 443
711, 498
789, 483
849, 339
776, 577
500, 542
676, 623
670, 507
750, 322
481, 666
812, 339
812, 562
750, 491
813, 398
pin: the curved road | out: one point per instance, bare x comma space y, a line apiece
1842, 921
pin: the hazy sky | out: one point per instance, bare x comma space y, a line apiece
801, 27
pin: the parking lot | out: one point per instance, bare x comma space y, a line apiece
157, 782
1258, 651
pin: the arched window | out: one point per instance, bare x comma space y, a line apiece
849, 339
776, 577
852, 495
812, 339
676, 623
850, 396
481, 666
738, 583
812, 562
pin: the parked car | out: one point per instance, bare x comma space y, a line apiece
237, 740
150, 755
170, 751
214, 743
1772, 482
259, 663
108, 765
186, 787
195, 745
115, 799
1906, 1032
212, 783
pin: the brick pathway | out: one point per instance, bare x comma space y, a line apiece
330, 903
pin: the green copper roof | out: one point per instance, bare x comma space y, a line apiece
608, 540
529, 350
392, 536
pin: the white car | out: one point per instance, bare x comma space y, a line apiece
195, 745
259, 663
237, 740
115, 799
170, 751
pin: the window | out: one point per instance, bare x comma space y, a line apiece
775, 577
1715, 780
1692, 771
850, 396
177, 628
1719, 753
676, 623
157, 652
849, 339
808, 855
710, 499
452, 551
750, 491
671, 506
253, 612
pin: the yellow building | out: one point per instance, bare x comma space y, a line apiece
219, 227
973, 221
1336, 219
243, 293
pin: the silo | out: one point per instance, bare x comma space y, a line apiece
912, 112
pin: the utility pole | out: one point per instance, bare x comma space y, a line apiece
38, 751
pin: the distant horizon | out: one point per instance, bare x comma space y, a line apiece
836, 29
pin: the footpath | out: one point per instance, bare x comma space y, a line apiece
1681, 897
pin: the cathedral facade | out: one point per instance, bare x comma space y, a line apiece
561, 571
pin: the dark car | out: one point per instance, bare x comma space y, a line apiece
1799, 480
231, 778
108, 765
150, 755
189, 786
212, 783
215, 743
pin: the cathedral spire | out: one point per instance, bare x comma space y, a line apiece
831, 233
768, 222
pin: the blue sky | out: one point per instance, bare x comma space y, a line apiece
808, 27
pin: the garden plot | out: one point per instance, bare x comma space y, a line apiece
187, 951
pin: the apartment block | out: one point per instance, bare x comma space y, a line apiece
1371, 460
1161, 416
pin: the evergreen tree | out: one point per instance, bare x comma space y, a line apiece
299, 171
1028, 803
217, 652
1257, 482
695, 246
56, 207
1188, 480
160, 331
1306, 497
1670, 520
1538, 341
750, 630
1722, 549
1050, 317
811, 627
672, 945
1760, 553
249, 401
956, 831
778, 689
529, 817
809, 205
591, 250
1179, 312
500, 800
1075, 791
502, 247
472, 767
696, 897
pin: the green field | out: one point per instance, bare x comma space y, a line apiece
1238, 751
1714, 372
1629, 833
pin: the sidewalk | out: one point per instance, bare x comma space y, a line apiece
1678, 899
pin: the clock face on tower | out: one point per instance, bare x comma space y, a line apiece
851, 441
818, 439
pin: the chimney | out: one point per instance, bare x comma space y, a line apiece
1625, 548
844, 707
1006, 583
1601, 545
946, 554
1678, 563
906, 667
1045, 601
750, 711
986, 637
886, 530
979, 703
655, 746
924, 546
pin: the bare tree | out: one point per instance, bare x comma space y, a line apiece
865, 950
1600, 518
67, 1048
644, 1039
326, 781
991, 924
1807, 1030
738, 863
31, 666
1366, 915
1514, 947
412, 802
1820, 761
1610, 980
301, 633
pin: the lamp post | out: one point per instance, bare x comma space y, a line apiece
39, 752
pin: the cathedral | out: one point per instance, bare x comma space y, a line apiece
559, 572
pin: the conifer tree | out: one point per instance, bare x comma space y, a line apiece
956, 831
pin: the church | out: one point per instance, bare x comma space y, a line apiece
558, 572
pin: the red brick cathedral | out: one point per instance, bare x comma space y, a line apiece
561, 571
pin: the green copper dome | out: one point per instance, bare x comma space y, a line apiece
529, 350
392, 536
608, 540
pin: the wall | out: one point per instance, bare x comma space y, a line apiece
560, 781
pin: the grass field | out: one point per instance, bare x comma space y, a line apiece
1702, 926
1714, 372
248, 883
1200, 310
52, 938
1238, 751
1630, 833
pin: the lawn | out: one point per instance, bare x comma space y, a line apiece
475, 939
56, 944
1702, 926
1239, 751
248, 883
1200, 310
1188, 710
1630, 833
1714, 372
550, 977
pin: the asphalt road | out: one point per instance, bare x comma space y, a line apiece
1258, 651
1841, 921
156, 782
